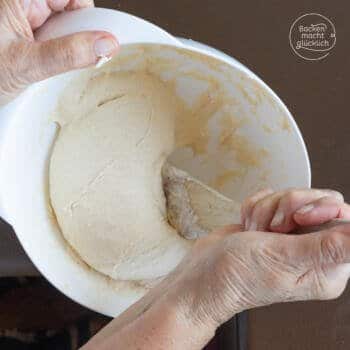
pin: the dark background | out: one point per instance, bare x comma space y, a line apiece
256, 33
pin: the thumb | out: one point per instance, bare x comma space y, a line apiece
52, 57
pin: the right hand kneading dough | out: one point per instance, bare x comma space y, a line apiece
105, 176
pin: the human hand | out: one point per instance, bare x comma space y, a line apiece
230, 271
285, 211
24, 60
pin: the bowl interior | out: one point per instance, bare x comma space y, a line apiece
246, 141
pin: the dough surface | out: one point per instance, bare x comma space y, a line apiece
105, 175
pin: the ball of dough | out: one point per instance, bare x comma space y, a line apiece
105, 176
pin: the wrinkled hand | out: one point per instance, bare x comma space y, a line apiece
24, 60
230, 271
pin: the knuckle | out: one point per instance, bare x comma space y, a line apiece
260, 209
292, 196
252, 200
332, 248
75, 52
248, 203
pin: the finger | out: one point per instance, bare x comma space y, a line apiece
249, 203
321, 211
293, 200
263, 211
57, 5
37, 11
79, 4
45, 59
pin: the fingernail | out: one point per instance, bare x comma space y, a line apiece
105, 47
277, 219
305, 209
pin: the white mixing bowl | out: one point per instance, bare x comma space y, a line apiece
275, 154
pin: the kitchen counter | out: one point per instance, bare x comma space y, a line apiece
256, 33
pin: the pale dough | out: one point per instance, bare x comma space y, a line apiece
105, 176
